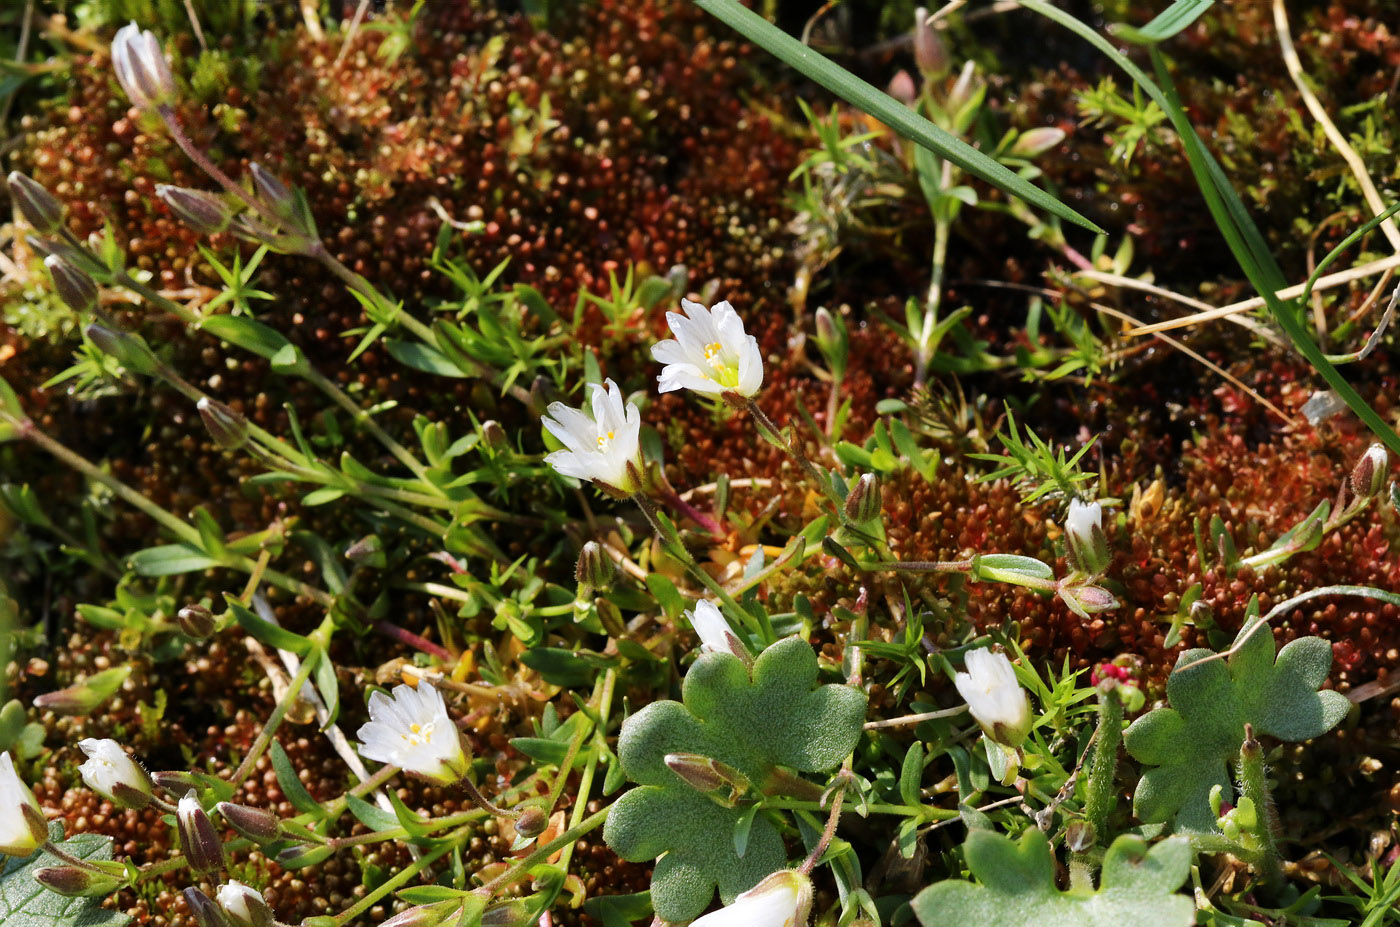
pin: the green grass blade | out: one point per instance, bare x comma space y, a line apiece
1168, 23
883, 107
1240, 232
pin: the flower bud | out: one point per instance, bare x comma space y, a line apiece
23, 828
203, 212
38, 206
131, 351
510, 914
367, 551
245, 907
273, 192
1087, 600
1368, 476
75, 882
112, 774
1079, 836
300, 856
1086, 544
205, 912
73, 286
196, 621
256, 824
994, 697
199, 842
902, 88
1037, 141
423, 915
930, 54
863, 504
716, 636
494, 435
175, 780
82, 697
228, 428
705, 774
595, 569
532, 821
142, 68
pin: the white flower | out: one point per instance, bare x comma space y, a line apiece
994, 697
141, 67
715, 634
784, 899
710, 353
412, 730
605, 447
244, 906
22, 825
112, 774
1084, 538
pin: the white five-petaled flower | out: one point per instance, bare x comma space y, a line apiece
606, 446
411, 729
244, 906
1084, 537
112, 774
141, 67
22, 825
716, 636
784, 899
995, 698
711, 352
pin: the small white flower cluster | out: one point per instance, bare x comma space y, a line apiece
711, 354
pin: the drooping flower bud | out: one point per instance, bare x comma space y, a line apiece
595, 570
112, 774
205, 213
930, 54
73, 286
131, 351
256, 824
199, 842
77, 883
39, 207
205, 912
716, 636
994, 697
244, 906
1086, 544
142, 68
196, 621
706, 774
864, 502
1368, 476
23, 828
228, 428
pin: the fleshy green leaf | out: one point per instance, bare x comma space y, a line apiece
25, 903
779, 717
1137, 887
1190, 744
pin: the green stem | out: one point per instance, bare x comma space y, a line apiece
925, 813
545, 852
1254, 785
450, 843
319, 638
799, 454
941, 228
1103, 765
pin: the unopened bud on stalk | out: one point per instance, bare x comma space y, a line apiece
196, 621
141, 67
272, 191
1079, 836
494, 435
930, 54
174, 780
1037, 141
424, 915
1087, 600
206, 913
228, 428
1368, 476
39, 207
131, 351
73, 286
244, 906
595, 568
1085, 542
199, 842
532, 821
863, 503
82, 697
368, 550
705, 774
75, 882
256, 824
833, 341
902, 88
205, 213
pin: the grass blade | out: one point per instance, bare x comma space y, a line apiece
883, 107
1166, 24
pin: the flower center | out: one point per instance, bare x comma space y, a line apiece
419, 734
605, 440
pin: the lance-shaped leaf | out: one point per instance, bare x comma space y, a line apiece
1190, 745
779, 717
1137, 887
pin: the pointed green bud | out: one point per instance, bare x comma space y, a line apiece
36, 204
423, 915
196, 621
228, 428
204, 213
1037, 141
77, 883
1368, 476
73, 286
131, 351
206, 913
705, 774
864, 502
199, 842
82, 697
256, 824
532, 821
595, 570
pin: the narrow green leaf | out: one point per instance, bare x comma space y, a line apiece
291, 785
1168, 23
170, 559
371, 816
270, 634
883, 107
421, 357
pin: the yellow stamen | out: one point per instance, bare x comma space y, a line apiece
713, 350
603, 440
